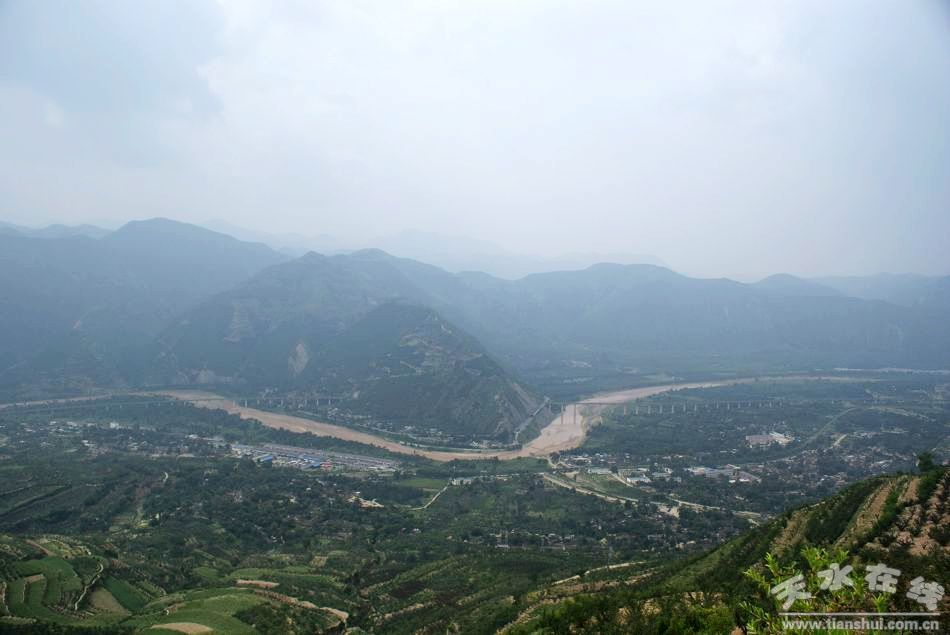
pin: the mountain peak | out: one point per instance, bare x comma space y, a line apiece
372, 253
166, 227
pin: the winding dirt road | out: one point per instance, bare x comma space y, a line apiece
566, 432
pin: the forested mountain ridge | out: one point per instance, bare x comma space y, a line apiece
651, 318
79, 311
316, 327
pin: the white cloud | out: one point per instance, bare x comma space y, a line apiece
724, 137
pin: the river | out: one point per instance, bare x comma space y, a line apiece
566, 432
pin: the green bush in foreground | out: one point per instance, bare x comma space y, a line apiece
831, 586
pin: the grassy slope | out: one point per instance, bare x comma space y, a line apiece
899, 520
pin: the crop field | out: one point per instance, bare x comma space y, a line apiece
435, 588
607, 483
60, 546
130, 596
215, 610
25, 598
429, 484
213, 620
44, 590
53, 569
102, 600
298, 582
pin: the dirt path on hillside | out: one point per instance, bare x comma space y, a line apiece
184, 627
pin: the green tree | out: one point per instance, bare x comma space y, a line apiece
925, 462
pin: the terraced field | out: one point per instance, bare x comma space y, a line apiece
211, 608
50, 588
70, 592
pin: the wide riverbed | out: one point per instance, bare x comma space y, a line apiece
567, 431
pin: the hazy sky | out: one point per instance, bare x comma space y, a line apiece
726, 138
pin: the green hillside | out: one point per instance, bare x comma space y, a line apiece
352, 329
898, 520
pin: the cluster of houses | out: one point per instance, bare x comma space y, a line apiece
306, 458
733, 473
765, 440
643, 475
652, 474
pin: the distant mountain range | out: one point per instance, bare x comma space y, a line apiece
452, 253
165, 303
53, 231
79, 311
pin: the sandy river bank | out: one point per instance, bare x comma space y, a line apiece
567, 431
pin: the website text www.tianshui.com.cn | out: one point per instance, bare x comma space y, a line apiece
857, 622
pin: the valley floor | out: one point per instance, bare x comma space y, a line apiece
566, 432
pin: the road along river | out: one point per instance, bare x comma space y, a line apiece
566, 432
